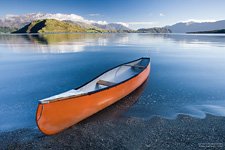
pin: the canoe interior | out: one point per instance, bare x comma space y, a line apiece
107, 79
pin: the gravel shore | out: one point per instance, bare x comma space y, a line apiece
182, 133
109, 130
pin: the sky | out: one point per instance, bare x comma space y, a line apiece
133, 13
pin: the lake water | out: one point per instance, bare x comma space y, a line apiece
187, 72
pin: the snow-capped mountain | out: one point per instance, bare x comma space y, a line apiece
18, 21
111, 26
193, 26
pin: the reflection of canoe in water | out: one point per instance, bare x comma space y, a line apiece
59, 112
118, 110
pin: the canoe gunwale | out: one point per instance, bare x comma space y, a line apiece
106, 88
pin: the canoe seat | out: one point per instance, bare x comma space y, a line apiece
105, 83
135, 66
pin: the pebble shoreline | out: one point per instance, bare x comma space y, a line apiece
110, 129
184, 132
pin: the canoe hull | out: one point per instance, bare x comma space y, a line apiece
56, 116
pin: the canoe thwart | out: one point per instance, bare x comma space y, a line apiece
105, 83
135, 66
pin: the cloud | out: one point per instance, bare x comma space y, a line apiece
75, 18
140, 23
98, 22
10, 16
198, 20
58, 16
161, 15
94, 15
72, 17
123, 23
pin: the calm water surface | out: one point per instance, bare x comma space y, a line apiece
187, 74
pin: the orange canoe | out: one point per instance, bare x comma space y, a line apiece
61, 111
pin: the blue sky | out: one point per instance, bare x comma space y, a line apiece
136, 13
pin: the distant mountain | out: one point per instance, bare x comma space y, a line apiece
154, 30
18, 21
13, 22
53, 26
81, 24
222, 31
7, 29
184, 27
111, 26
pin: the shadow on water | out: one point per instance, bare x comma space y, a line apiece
122, 38
60, 38
51, 39
60, 43
117, 110
76, 42
48, 39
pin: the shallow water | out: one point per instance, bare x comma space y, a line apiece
187, 72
